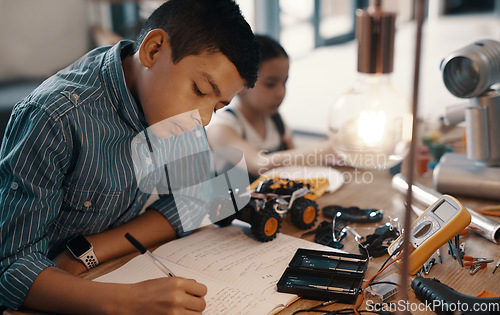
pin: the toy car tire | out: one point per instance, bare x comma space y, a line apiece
266, 224
304, 213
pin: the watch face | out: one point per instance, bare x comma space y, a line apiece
78, 245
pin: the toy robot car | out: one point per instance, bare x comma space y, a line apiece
269, 203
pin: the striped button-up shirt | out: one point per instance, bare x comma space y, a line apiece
66, 167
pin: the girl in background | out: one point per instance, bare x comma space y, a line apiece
252, 123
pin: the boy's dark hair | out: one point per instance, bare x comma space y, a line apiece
197, 26
269, 48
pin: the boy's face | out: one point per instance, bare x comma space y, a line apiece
204, 82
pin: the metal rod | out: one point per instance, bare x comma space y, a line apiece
413, 144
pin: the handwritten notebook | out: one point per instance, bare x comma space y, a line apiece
240, 272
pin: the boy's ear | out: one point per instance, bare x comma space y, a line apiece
152, 44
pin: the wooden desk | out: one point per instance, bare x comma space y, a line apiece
373, 189
378, 193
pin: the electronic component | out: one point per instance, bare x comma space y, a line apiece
325, 236
353, 214
440, 222
375, 245
454, 251
384, 290
476, 267
428, 266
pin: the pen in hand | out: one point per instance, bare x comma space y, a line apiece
143, 250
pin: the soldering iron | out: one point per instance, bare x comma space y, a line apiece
445, 300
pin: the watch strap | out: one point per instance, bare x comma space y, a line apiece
89, 259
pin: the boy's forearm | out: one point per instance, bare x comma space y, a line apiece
150, 228
57, 291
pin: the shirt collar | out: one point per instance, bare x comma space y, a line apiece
116, 86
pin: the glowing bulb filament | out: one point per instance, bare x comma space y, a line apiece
371, 126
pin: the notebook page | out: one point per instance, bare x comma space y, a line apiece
221, 298
233, 256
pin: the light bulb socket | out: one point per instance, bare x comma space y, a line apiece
375, 30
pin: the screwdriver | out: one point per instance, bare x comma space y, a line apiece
498, 264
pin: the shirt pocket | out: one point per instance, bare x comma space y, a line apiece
86, 211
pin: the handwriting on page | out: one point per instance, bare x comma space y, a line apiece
234, 257
221, 298
231, 301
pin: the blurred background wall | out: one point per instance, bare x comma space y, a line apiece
39, 37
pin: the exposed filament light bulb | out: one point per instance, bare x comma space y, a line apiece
370, 125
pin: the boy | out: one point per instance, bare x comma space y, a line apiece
66, 169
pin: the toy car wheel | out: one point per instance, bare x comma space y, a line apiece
217, 215
304, 213
266, 224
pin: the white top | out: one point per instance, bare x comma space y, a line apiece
238, 123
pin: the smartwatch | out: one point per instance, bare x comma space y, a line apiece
82, 250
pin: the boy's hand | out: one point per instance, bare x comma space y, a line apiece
172, 295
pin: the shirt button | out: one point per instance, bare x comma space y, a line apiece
87, 203
75, 96
197, 133
148, 161
14, 186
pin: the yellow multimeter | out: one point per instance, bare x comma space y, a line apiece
439, 223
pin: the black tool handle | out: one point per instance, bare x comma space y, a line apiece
446, 300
